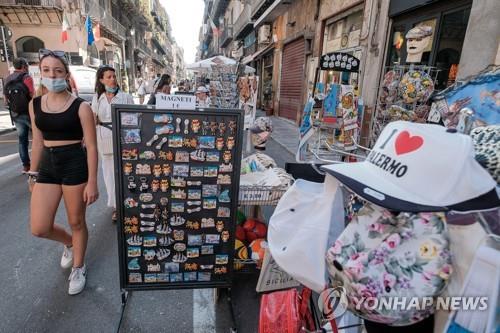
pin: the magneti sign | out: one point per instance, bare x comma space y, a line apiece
175, 102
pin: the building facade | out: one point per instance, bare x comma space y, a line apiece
284, 39
133, 36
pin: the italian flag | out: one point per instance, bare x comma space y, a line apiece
65, 27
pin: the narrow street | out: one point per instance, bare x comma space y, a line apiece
34, 287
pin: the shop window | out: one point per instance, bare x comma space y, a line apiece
451, 40
343, 33
445, 44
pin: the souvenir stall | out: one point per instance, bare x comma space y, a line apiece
330, 127
362, 251
219, 75
365, 211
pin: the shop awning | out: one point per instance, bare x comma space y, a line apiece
257, 54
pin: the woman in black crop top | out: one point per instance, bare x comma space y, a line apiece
62, 167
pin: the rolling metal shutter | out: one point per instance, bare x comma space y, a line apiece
292, 79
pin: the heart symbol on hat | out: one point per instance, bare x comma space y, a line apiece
405, 143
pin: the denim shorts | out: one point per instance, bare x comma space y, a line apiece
63, 165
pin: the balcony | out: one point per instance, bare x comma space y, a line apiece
218, 8
40, 3
159, 42
266, 11
158, 59
142, 46
134, 8
107, 21
243, 24
227, 36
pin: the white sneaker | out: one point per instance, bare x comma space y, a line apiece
67, 257
77, 280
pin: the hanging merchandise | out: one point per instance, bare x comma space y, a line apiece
403, 95
480, 94
248, 91
179, 217
420, 168
223, 86
306, 130
349, 114
382, 255
330, 105
298, 242
487, 149
338, 61
279, 312
416, 86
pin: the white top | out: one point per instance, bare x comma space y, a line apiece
102, 108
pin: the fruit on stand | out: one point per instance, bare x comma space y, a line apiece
254, 229
240, 252
257, 250
240, 233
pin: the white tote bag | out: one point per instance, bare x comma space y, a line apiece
306, 218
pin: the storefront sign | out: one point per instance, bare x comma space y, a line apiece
175, 102
339, 61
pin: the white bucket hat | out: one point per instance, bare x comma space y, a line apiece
420, 168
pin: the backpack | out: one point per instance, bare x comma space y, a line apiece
18, 96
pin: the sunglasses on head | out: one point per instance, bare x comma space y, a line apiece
56, 53
106, 67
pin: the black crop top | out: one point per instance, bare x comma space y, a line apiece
62, 126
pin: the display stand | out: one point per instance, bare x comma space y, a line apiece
177, 177
402, 100
333, 116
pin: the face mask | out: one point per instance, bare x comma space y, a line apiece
111, 90
54, 85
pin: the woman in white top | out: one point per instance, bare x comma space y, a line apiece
107, 93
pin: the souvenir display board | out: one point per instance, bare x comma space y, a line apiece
177, 179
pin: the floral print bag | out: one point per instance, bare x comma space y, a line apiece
380, 256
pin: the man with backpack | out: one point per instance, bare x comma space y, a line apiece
18, 92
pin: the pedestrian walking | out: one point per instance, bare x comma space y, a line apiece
61, 166
163, 86
107, 92
141, 90
18, 92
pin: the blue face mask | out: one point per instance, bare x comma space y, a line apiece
111, 90
55, 85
